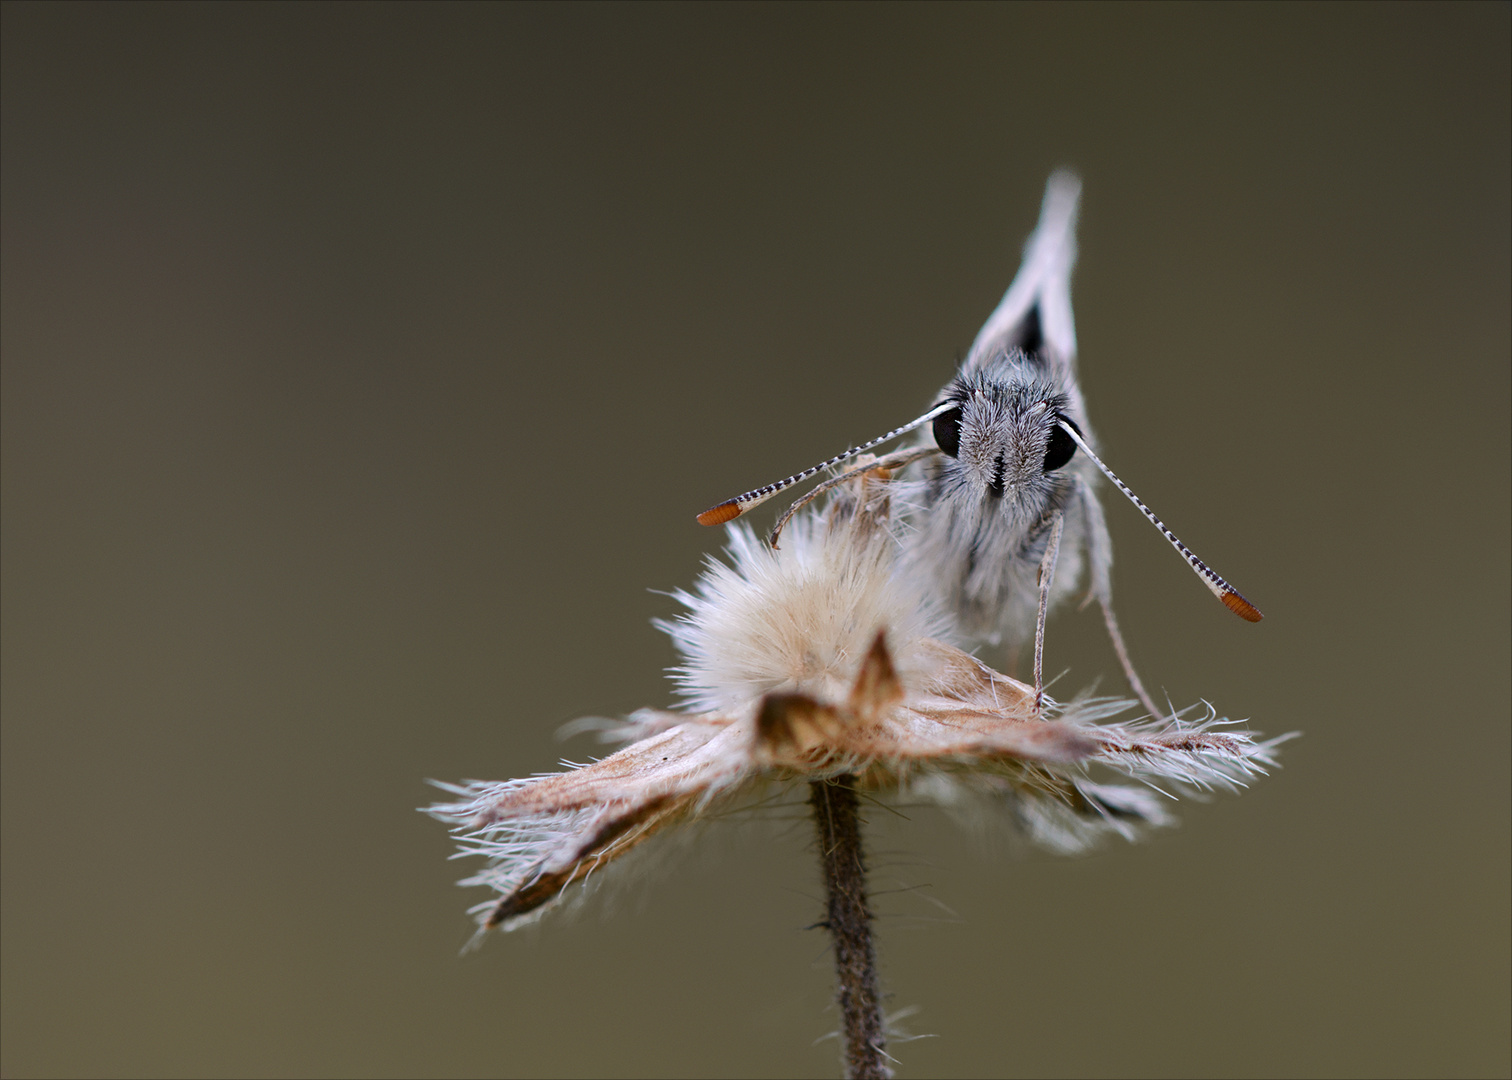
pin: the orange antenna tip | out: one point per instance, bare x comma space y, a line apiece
728, 510
1241, 607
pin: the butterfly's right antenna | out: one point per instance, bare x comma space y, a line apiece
731, 509
1220, 588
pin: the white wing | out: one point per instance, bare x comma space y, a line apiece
1035, 314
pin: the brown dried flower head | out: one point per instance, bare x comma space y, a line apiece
821, 658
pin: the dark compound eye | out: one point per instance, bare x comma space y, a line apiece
1061, 447
947, 431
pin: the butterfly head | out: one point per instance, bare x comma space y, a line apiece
1003, 438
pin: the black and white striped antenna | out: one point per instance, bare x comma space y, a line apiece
731, 509
1221, 589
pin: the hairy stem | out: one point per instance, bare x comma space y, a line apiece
849, 923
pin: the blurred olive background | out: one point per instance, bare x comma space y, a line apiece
364, 367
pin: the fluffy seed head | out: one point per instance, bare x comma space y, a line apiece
799, 618
817, 659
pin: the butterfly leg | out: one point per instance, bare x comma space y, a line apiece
1128, 665
1100, 556
895, 460
1046, 577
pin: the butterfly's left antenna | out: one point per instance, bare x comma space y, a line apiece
1220, 588
731, 509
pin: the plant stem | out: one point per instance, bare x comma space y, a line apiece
849, 923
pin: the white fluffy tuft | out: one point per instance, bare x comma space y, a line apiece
799, 618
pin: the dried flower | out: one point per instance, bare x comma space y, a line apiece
820, 660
